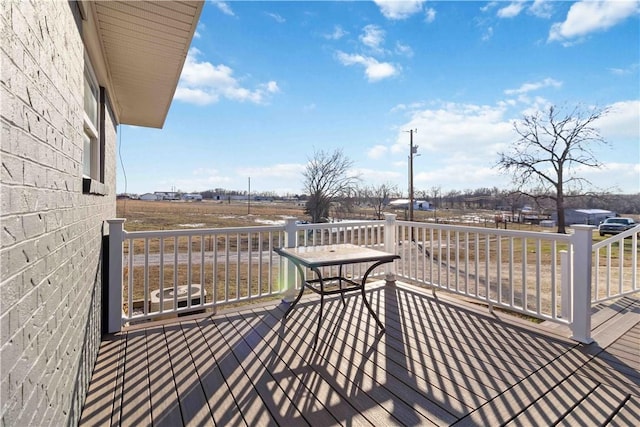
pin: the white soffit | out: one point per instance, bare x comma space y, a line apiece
144, 45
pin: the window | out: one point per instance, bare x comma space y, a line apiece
93, 152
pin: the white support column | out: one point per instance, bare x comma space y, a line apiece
290, 234
390, 246
582, 252
114, 300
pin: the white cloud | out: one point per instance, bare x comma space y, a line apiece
625, 71
196, 96
278, 18
224, 7
377, 151
541, 8
529, 87
430, 15
467, 129
377, 176
282, 170
372, 36
399, 9
203, 83
337, 34
458, 145
404, 50
622, 122
487, 34
586, 17
374, 69
511, 11
487, 7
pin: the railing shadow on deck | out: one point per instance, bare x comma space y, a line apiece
437, 361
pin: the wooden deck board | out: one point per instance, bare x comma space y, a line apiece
369, 377
193, 403
299, 382
596, 407
102, 395
438, 363
330, 366
222, 401
628, 414
247, 351
135, 396
249, 403
165, 406
554, 405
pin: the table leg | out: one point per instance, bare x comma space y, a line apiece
364, 295
315, 341
302, 284
344, 304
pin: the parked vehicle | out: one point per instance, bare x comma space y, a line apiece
615, 225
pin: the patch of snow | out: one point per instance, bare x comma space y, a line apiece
269, 221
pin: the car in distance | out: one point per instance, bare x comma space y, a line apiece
615, 225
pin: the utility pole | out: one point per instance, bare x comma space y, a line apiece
413, 150
249, 198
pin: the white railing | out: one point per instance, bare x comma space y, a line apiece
169, 273
615, 266
514, 270
153, 274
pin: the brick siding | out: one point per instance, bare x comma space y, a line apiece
51, 233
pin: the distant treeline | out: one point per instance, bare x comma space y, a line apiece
494, 199
481, 198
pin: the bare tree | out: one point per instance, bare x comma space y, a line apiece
327, 179
551, 149
378, 196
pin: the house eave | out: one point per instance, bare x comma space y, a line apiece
138, 50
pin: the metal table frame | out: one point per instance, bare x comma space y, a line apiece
317, 257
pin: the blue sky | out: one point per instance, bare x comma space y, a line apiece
266, 84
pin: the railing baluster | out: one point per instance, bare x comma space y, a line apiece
189, 270
524, 274
538, 278
146, 276
202, 267
130, 284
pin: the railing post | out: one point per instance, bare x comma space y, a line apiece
290, 234
565, 285
582, 253
390, 246
114, 300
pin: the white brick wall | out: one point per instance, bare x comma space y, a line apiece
51, 233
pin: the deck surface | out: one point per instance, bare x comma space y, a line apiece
440, 362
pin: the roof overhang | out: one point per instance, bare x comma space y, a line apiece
138, 49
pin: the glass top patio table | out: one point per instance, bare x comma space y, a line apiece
316, 257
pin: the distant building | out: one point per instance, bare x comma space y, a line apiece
584, 216
420, 205
192, 197
167, 195
150, 196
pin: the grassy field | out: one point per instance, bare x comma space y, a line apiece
169, 215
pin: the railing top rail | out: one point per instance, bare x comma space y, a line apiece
202, 231
321, 225
495, 231
617, 237
256, 229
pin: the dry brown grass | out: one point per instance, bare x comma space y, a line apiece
172, 215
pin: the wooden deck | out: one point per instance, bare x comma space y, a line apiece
440, 362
